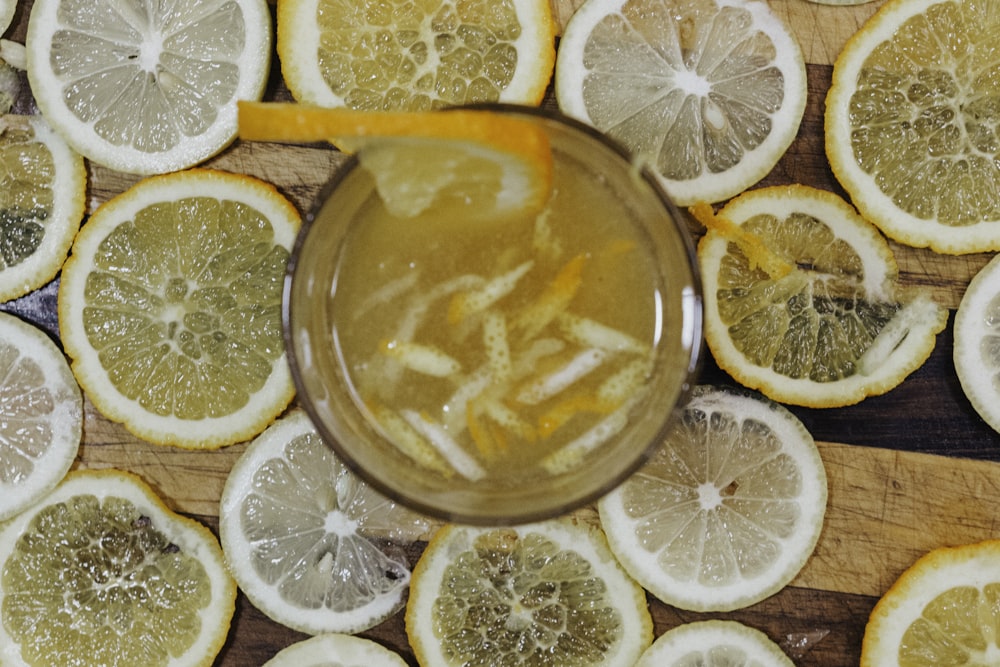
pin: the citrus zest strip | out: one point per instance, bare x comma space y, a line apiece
758, 254
520, 145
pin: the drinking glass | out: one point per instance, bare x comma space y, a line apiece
596, 181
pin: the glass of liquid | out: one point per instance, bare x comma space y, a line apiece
501, 371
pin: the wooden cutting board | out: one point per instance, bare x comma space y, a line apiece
895, 490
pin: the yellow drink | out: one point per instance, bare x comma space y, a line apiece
505, 369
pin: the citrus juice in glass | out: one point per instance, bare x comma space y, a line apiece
491, 367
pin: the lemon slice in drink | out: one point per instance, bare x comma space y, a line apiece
311, 545
911, 120
709, 93
416, 56
41, 415
147, 88
976, 352
802, 299
101, 572
729, 508
545, 593
941, 611
342, 650
42, 200
491, 163
714, 643
170, 307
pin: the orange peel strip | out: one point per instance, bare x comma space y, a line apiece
758, 254
562, 412
554, 300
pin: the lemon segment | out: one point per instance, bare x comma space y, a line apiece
550, 592
714, 643
710, 94
835, 329
348, 650
728, 509
312, 546
42, 200
145, 89
41, 415
911, 119
415, 56
941, 611
170, 307
100, 572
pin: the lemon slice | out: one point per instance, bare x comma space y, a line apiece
812, 313
911, 123
729, 508
336, 650
100, 572
493, 164
976, 351
147, 89
170, 307
714, 643
415, 56
42, 201
941, 611
41, 415
311, 545
545, 593
709, 93
7, 9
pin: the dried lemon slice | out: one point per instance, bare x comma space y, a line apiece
416, 56
941, 611
542, 593
7, 9
976, 352
728, 509
310, 544
345, 650
709, 93
43, 188
147, 89
41, 415
811, 313
911, 120
714, 643
170, 307
100, 572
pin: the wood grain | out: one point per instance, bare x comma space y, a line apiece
908, 471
